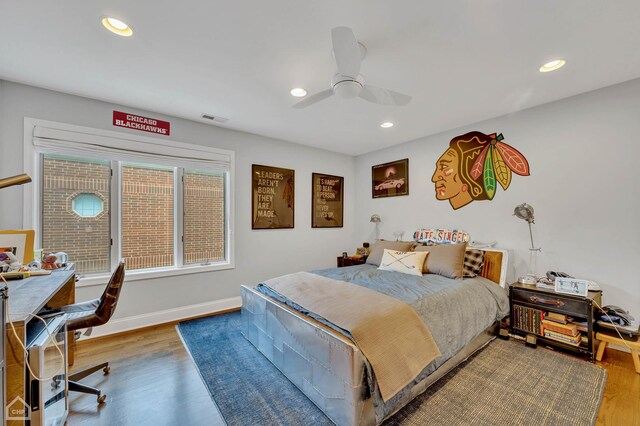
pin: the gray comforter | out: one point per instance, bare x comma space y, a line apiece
455, 311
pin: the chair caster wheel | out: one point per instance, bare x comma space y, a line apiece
106, 370
102, 399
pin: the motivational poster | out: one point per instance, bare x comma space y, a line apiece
327, 204
273, 197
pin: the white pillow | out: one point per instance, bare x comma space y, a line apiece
407, 262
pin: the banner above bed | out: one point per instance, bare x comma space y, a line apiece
440, 236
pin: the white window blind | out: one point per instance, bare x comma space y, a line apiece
57, 141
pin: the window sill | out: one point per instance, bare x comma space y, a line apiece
146, 274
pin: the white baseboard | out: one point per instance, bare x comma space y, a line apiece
154, 318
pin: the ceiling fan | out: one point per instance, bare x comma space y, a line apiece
347, 82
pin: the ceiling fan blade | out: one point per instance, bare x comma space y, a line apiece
384, 96
346, 51
310, 100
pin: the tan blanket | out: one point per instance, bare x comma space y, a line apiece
389, 332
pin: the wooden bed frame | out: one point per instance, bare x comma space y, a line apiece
327, 366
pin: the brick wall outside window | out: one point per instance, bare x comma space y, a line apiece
85, 239
203, 217
147, 217
147, 213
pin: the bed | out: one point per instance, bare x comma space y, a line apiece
331, 370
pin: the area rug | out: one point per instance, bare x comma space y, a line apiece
504, 384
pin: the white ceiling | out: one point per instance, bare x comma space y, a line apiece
462, 61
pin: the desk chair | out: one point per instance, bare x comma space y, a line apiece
91, 314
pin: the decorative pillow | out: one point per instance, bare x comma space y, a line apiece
445, 259
375, 257
473, 262
407, 262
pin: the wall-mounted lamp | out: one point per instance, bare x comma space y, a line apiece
375, 218
15, 180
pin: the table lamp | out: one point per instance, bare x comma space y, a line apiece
376, 219
525, 212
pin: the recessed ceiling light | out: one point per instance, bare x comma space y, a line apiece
552, 66
298, 92
386, 124
116, 26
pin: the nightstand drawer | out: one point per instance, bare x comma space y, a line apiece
567, 305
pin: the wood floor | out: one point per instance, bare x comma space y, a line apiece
153, 382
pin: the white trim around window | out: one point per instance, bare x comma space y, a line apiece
44, 133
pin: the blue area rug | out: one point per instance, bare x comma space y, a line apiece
505, 383
246, 387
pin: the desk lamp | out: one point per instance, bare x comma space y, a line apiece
376, 219
525, 212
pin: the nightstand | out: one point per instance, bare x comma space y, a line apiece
530, 305
347, 261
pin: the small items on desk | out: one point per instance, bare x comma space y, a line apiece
18, 275
53, 261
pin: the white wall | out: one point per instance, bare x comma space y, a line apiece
584, 184
260, 254
584, 154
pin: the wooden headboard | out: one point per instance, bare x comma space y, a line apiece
495, 266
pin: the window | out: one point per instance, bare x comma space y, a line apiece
147, 216
68, 223
204, 206
161, 213
87, 205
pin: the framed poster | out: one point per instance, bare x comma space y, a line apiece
327, 203
273, 197
19, 243
390, 179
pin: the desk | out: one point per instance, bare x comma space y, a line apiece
30, 296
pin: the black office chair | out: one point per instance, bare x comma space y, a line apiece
92, 314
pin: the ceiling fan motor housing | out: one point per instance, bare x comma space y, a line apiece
347, 87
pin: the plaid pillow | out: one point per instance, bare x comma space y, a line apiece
473, 262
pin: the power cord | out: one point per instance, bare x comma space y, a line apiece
26, 352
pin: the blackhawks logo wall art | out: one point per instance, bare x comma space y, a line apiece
473, 166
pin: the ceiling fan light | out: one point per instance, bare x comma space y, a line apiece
348, 89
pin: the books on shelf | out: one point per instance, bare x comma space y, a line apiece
559, 318
567, 329
582, 326
528, 319
571, 340
551, 325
